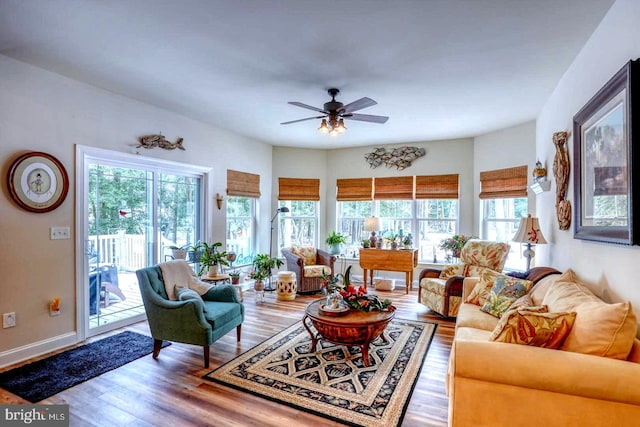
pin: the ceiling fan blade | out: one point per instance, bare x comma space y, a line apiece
308, 107
358, 105
367, 118
302, 120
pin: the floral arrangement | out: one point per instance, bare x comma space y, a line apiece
454, 244
355, 297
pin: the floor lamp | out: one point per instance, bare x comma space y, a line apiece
283, 209
530, 234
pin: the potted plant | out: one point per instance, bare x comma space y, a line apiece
235, 277
262, 265
391, 238
454, 244
211, 257
179, 252
334, 240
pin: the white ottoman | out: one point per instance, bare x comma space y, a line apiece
384, 284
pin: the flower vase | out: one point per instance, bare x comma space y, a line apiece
258, 285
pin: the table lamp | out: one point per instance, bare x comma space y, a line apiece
372, 224
530, 234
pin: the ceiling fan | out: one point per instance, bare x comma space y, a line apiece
334, 113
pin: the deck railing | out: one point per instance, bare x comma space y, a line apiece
127, 251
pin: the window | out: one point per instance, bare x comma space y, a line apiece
437, 220
299, 226
504, 201
240, 228
351, 216
431, 217
501, 218
243, 189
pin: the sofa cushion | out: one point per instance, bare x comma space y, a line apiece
453, 270
472, 334
538, 329
219, 313
484, 253
184, 294
316, 270
480, 292
600, 329
503, 293
470, 315
307, 253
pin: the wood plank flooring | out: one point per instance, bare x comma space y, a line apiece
169, 391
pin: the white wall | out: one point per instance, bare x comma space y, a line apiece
513, 146
43, 111
610, 270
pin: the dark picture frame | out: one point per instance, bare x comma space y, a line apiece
605, 182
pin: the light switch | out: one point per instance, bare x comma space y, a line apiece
60, 233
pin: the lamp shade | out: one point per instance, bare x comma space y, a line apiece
529, 232
372, 224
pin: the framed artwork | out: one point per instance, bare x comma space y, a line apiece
38, 182
604, 155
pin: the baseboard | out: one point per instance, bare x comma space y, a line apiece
28, 351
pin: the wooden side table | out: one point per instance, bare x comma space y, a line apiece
404, 260
217, 278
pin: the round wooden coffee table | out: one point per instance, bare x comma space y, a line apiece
356, 328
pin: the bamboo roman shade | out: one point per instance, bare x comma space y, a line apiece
298, 189
437, 187
510, 182
354, 189
243, 184
393, 188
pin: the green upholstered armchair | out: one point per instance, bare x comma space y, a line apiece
192, 321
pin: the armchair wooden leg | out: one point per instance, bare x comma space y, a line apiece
157, 345
206, 356
239, 332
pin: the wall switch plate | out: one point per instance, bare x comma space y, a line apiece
9, 320
60, 233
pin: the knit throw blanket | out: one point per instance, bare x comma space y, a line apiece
179, 274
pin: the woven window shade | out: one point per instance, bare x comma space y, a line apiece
437, 187
298, 189
243, 184
510, 182
354, 189
395, 187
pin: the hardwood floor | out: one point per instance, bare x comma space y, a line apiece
169, 391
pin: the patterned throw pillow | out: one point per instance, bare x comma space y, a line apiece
504, 292
307, 253
546, 330
480, 292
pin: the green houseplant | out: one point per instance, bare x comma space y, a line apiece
262, 265
334, 240
211, 256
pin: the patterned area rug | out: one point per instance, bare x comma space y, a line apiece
333, 382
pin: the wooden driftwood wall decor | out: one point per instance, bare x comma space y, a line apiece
401, 157
151, 141
561, 171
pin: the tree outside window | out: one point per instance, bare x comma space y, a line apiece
240, 229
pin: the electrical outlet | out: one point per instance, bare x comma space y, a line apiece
60, 233
9, 320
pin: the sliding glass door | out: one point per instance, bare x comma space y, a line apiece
134, 211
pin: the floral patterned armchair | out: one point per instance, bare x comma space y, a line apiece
310, 265
441, 289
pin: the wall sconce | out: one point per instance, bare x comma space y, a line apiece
219, 200
540, 183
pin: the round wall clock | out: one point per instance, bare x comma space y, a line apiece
38, 182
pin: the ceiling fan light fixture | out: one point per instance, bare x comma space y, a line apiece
323, 127
341, 127
334, 132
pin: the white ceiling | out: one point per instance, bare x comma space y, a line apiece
438, 68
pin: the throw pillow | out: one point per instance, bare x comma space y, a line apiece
546, 330
504, 292
453, 270
480, 292
524, 302
184, 294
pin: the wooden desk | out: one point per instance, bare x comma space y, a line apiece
404, 260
